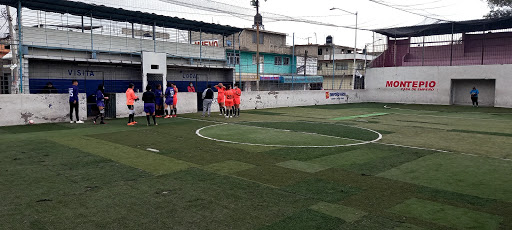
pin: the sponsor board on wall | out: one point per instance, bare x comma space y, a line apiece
335, 95
412, 85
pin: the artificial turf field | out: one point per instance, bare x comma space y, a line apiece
354, 166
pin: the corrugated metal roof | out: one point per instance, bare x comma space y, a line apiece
446, 28
122, 15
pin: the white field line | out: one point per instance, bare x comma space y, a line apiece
374, 142
198, 132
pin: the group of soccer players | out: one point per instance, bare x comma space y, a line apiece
153, 102
228, 99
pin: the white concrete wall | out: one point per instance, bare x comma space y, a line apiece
376, 78
187, 103
275, 99
18, 109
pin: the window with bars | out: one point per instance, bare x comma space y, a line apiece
286, 61
278, 61
233, 58
341, 66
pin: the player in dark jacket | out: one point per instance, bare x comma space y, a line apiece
149, 104
100, 102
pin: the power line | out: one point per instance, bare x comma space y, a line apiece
408, 11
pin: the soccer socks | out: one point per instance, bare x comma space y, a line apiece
147, 118
175, 111
154, 120
223, 110
171, 110
166, 112
238, 112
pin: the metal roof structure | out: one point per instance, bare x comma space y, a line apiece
447, 28
122, 15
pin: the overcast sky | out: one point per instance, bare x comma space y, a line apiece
371, 15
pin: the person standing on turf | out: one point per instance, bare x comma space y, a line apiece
100, 102
73, 102
149, 104
169, 98
158, 100
474, 96
175, 100
207, 100
130, 100
230, 101
220, 98
238, 92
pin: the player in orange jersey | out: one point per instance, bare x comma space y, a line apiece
130, 100
238, 92
230, 101
220, 98
175, 100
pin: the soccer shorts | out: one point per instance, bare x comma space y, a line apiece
100, 104
175, 101
221, 98
158, 101
230, 102
149, 108
168, 101
237, 101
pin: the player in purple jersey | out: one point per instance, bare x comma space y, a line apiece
169, 99
100, 102
73, 102
159, 102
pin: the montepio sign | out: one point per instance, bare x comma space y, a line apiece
412, 85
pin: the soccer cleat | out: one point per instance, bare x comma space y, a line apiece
230, 116
158, 116
168, 116
79, 122
174, 116
103, 123
156, 123
94, 121
71, 122
130, 124
134, 122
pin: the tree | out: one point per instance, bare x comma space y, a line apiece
499, 8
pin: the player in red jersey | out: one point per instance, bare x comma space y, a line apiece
238, 92
220, 98
230, 101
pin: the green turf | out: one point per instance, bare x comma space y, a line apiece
307, 219
348, 214
319, 189
85, 176
483, 177
447, 215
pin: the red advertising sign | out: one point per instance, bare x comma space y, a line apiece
412, 85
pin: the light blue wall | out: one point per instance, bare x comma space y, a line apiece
247, 66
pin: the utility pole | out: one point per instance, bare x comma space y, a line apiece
14, 60
258, 21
